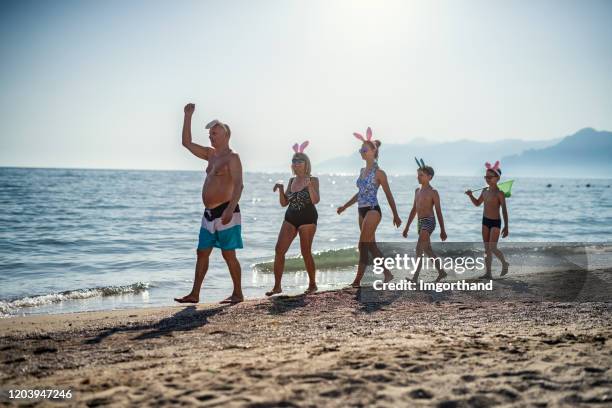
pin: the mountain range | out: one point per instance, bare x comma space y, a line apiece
585, 153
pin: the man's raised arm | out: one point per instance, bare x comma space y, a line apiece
200, 151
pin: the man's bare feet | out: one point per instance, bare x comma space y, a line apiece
187, 299
232, 299
388, 277
311, 289
505, 268
274, 291
441, 275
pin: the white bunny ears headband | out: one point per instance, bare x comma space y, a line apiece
300, 148
494, 168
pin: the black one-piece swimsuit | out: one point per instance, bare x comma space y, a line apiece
301, 210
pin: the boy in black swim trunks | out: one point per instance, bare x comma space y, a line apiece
425, 199
493, 200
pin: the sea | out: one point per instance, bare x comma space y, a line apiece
76, 240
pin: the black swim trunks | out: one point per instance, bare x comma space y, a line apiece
364, 210
491, 223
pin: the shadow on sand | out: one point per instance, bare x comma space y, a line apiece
187, 319
286, 303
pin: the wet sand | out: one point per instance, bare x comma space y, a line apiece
337, 348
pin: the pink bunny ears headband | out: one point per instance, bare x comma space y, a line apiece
300, 148
494, 168
368, 137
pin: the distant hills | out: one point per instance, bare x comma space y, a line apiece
463, 157
586, 152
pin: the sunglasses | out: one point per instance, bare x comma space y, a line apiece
363, 150
489, 177
297, 161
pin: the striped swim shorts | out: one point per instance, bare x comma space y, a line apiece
427, 223
213, 233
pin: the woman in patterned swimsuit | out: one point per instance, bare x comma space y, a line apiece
370, 178
300, 218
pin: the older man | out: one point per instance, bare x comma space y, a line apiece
220, 194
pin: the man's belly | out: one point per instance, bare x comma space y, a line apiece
216, 191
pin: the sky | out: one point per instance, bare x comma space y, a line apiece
102, 84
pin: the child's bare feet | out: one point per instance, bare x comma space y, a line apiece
311, 289
274, 291
187, 299
355, 284
441, 275
505, 267
486, 276
414, 279
388, 276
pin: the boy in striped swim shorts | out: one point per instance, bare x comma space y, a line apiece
426, 198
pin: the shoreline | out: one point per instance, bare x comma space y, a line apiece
332, 348
567, 285
336, 270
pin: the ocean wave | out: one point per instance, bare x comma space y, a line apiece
348, 257
324, 260
10, 307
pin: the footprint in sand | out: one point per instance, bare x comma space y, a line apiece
377, 378
331, 394
420, 393
205, 397
43, 350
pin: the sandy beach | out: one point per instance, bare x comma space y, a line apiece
337, 348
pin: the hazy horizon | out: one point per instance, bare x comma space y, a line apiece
260, 170
103, 84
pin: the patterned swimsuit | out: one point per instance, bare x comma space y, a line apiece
301, 210
368, 189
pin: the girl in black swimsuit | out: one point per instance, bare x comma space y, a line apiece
300, 218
